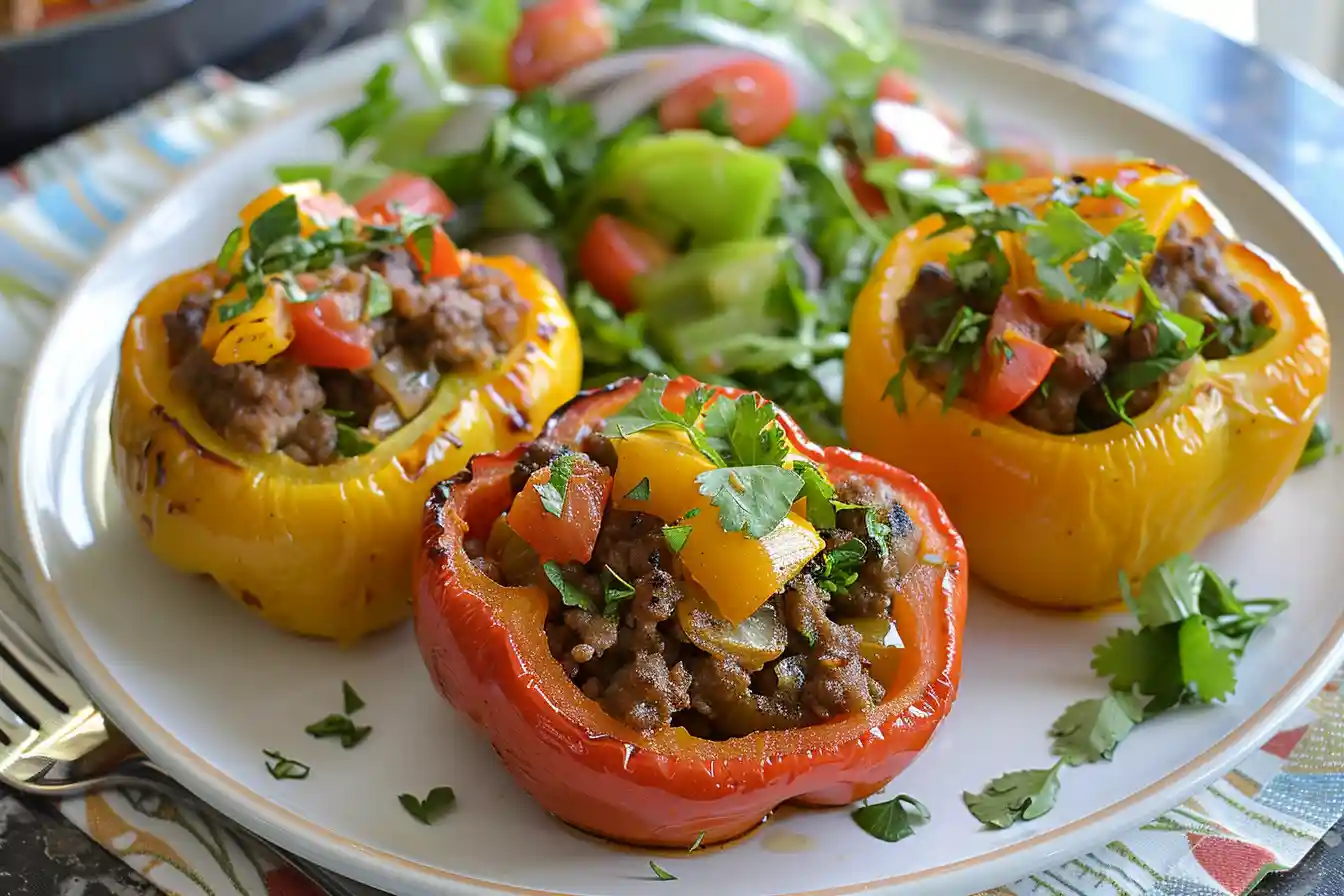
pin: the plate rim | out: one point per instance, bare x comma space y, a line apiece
286, 827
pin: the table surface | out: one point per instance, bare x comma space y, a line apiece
1288, 120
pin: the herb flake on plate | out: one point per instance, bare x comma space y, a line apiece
891, 820
434, 806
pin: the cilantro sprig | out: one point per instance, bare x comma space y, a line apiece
1193, 630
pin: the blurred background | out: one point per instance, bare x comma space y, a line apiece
66, 63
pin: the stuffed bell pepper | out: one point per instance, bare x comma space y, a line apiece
1091, 371
673, 613
282, 413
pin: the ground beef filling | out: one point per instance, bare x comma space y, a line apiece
1189, 275
435, 327
643, 668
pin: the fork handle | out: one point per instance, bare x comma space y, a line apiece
137, 770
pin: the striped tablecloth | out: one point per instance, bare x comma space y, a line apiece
56, 209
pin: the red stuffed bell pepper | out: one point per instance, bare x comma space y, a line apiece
654, 678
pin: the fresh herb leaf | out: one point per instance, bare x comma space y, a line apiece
350, 442
1208, 670
1016, 796
1194, 630
660, 873
890, 820
646, 411
1090, 730
714, 118
614, 590
699, 841
692, 513
1169, 593
1148, 659
351, 699
754, 500
818, 493
841, 565
339, 726
379, 300
879, 530
640, 492
282, 768
571, 595
552, 492
433, 807
676, 537
1317, 443
380, 105
229, 249
744, 433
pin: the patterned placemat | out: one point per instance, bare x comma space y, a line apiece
56, 209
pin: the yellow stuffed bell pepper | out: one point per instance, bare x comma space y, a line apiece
318, 549
1054, 519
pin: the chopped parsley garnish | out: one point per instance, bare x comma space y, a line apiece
744, 433
640, 492
1090, 730
1317, 444
646, 411
692, 513
229, 249
1193, 630
818, 493
571, 595
277, 250
660, 873
350, 442
714, 118
282, 768
379, 300
699, 841
891, 820
841, 565
1016, 796
339, 726
754, 500
434, 806
552, 492
614, 590
351, 699
380, 106
676, 537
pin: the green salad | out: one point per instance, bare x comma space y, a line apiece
709, 183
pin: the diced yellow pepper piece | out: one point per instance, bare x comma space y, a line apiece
738, 573
255, 336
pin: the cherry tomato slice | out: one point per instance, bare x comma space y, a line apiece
572, 535
758, 97
324, 337
554, 38
411, 193
1015, 361
613, 253
444, 262
869, 197
897, 87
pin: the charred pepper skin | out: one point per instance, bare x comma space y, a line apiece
1053, 520
486, 649
319, 551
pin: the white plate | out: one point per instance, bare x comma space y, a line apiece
204, 687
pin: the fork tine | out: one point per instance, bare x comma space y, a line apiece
40, 664
24, 698
12, 728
